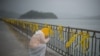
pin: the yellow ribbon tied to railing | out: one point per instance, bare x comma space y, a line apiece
24, 25
72, 39
45, 25
17, 23
84, 41
51, 30
36, 27
60, 31
31, 26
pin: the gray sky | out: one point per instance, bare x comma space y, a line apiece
62, 8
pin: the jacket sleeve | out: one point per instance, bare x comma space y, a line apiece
44, 40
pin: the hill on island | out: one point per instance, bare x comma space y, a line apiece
35, 14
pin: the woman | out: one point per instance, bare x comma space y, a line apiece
38, 42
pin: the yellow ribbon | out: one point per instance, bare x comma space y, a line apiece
35, 27
31, 26
45, 25
71, 40
84, 42
51, 31
24, 25
60, 31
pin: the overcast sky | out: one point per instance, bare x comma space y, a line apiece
62, 8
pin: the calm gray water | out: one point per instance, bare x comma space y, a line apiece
93, 24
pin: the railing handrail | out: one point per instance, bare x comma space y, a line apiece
67, 31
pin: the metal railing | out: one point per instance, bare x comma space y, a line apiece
67, 41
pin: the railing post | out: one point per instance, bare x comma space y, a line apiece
68, 35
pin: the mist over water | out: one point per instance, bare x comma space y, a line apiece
92, 24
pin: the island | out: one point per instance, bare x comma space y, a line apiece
38, 15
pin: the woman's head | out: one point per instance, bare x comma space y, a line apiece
47, 31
